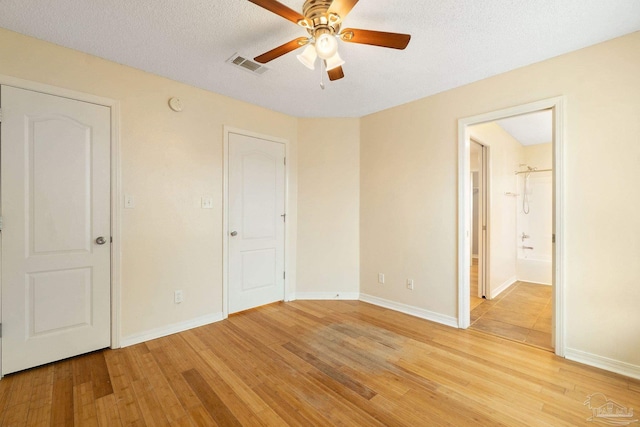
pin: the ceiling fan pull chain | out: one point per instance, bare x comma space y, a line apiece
322, 74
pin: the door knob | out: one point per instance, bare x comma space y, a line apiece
101, 240
234, 233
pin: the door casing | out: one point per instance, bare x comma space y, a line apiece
225, 214
114, 107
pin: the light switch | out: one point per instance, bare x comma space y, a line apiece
207, 202
129, 201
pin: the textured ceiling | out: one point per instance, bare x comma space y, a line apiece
454, 42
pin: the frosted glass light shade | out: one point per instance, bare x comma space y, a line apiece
308, 57
334, 62
326, 46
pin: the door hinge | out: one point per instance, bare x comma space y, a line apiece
110, 239
284, 274
0, 330
1, 223
553, 238
284, 217
285, 161
0, 115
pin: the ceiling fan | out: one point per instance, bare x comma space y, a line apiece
322, 20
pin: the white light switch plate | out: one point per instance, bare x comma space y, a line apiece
207, 202
129, 201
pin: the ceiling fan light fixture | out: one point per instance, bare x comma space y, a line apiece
308, 57
334, 62
326, 45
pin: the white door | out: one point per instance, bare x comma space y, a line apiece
55, 201
256, 222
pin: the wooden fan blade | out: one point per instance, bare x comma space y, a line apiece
335, 73
281, 50
280, 9
376, 38
342, 7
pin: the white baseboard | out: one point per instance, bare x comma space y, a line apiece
352, 296
497, 291
411, 310
602, 362
170, 329
534, 282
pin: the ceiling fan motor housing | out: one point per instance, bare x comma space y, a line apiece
315, 11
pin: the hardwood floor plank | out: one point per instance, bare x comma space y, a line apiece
100, 374
84, 408
16, 415
128, 406
160, 388
211, 401
107, 411
41, 397
62, 394
152, 412
5, 391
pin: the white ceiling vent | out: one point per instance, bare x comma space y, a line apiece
247, 64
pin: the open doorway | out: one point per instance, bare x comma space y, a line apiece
516, 295
525, 274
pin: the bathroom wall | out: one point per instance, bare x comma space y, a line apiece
535, 265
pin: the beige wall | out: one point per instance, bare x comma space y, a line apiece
409, 191
328, 207
505, 154
169, 161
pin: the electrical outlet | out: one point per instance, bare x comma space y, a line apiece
381, 278
410, 284
178, 297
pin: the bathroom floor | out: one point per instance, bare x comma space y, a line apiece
521, 313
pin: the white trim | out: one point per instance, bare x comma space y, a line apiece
351, 296
411, 310
558, 105
116, 233
503, 287
612, 365
171, 329
288, 282
116, 188
534, 282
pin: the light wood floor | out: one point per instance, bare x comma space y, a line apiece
521, 313
318, 363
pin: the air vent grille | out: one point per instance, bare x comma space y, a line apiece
247, 64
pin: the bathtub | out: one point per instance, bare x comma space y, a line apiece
534, 270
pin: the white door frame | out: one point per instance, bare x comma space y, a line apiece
557, 105
114, 106
225, 212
